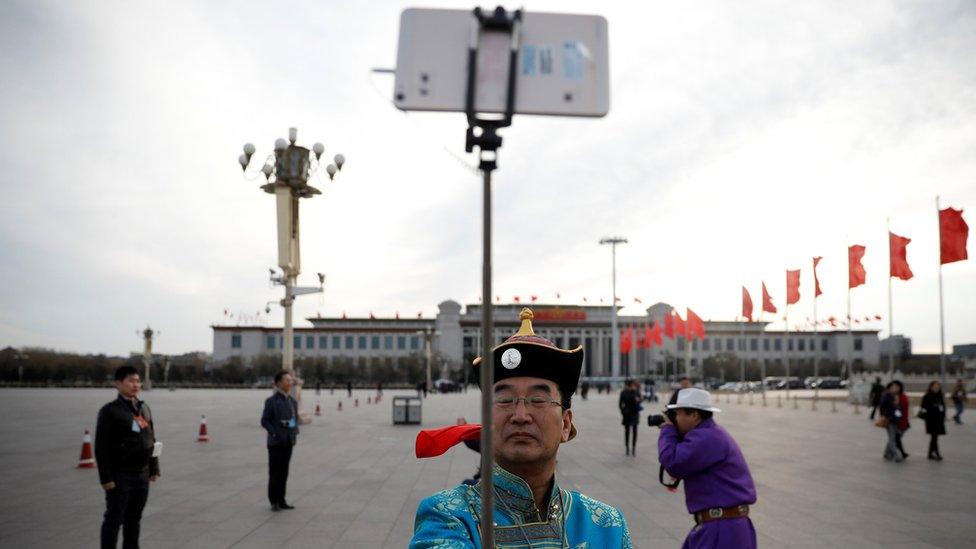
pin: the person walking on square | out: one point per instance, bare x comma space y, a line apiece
629, 404
877, 389
903, 424
890, 411
280, 420
718, 485
349, 388
128, 459
933, 412
959, 400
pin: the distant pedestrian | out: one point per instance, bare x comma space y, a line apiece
890, 415
903, 424
423, 386
379, 387
629, 404
128, 459
318, 387
584, 389
959, 400
933, 412
349, 388
280, 420
684, 383
877, 389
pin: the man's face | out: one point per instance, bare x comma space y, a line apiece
686, 384
686, 420
130, 386
525, 433
285, 383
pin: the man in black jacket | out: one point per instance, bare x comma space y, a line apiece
127, 456
629, 404
280, 420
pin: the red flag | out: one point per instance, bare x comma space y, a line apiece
953, 232
584, 299
642, 339
679, 326
792, 286
832, 321
516, 299
768, 306
626, 341
696, 328
746, 304
898, 257
637, 300
656, 334
855, 271
669, 326
558, 296
534, 298
649, 340
434, 442
816, 281
877, 317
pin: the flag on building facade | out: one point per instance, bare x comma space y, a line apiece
746, 304
696, 328
816, 281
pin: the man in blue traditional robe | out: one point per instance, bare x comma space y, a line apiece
718, 484
534, 384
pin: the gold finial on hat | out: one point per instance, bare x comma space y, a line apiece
526, 317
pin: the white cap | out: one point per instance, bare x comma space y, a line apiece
698, 399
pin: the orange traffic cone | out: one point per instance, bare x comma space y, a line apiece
203, 436
340, 405
318, 409
356, 403
87, 459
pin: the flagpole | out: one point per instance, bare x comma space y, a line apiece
942, 357
850, 336
891, 321
742, 357
786, 347
762, 361
816, 343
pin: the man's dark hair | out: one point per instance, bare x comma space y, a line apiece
125, 371
280, 375
565, 401
683, 378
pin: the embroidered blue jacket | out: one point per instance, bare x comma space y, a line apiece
450, 519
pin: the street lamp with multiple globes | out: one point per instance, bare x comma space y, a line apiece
286, 173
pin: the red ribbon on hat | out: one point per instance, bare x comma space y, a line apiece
434, 442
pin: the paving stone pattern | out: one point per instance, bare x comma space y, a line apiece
355, 482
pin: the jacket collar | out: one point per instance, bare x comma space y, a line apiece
517, 495
134, 405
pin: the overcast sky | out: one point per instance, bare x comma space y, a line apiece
743, 138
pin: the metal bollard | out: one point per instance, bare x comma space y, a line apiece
750, 399
779, 401
833, 405
764, 399
857, 411
796, 403
738, 399
813, 405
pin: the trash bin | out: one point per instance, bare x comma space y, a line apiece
406, 410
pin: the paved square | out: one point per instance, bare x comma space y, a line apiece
355, 483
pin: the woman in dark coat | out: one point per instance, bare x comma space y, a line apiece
933, 411
629, 405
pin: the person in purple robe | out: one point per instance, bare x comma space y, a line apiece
718, 485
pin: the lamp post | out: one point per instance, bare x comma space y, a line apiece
147, 339
614, 336
286, 174
428, 334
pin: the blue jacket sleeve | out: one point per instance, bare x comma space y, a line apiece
435, 527
695, 453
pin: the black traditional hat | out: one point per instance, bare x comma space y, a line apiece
526, 354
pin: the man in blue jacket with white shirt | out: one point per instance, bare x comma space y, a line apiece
280, 420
